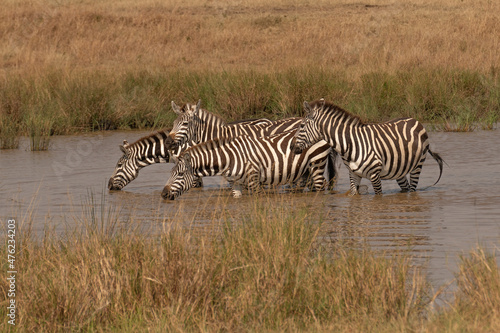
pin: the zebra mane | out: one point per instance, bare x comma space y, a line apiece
333, 109
207, 113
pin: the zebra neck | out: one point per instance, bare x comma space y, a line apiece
152, 150
339, 136
210, 127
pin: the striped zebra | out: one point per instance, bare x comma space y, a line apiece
198, 125
248, 162
155, 148
387, 150
148, 150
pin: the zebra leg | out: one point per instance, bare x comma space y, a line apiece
403, 183
254, 183
318, 180
376, 182
236, 189
252, 179
331, 169
305, 180
415, 173
354, 180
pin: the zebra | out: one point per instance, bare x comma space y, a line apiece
387, 150
155, 148
198, 125
246, 161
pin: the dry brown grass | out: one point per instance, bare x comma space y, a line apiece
83, 65
263, 272
264, 35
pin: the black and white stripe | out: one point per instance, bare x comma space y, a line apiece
387, 150
248, 162
155, 148
145, 151
197, 125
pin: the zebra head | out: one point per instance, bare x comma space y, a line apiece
308, 132
126, 169
186, 124
181, 179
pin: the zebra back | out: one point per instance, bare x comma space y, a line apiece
248, 160
388, 150
199, 125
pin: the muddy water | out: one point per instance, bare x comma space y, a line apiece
55, 190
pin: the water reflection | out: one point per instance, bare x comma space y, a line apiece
52, 189
384, 222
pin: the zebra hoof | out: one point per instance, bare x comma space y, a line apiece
363, 189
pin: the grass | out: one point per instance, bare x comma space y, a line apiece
476, 307
104, 101
9, 133
39, 129
267, 271
86, 66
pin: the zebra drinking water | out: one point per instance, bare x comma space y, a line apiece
155, 148
198, 125
249, 162
387, 150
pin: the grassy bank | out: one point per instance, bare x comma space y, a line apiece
63, 102
82, 66
266, 272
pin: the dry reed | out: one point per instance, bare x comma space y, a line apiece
266, 271
117, 64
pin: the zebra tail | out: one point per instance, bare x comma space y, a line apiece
332, 169
440, 161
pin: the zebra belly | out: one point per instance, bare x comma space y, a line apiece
365, 169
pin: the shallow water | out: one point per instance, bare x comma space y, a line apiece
54, 189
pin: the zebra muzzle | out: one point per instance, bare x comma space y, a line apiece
167, 194
112, 186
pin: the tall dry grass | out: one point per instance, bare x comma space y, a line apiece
476, 306
87, 65
267, 35
268, 271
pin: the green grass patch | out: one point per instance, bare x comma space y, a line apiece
87, 101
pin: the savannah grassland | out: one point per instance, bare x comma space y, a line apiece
73, 66
70, 66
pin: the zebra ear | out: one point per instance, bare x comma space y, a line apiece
176, 108
307, 107
124, 147
196, 110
